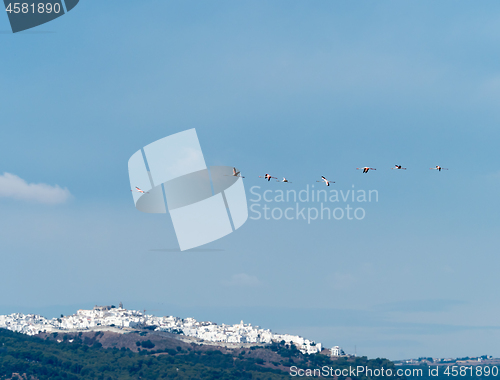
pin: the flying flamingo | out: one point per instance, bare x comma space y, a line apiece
398, 167
326, 181
236, 173
365, 169
268, 177
284, 180
140, 191
439, 168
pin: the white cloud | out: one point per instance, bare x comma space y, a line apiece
12, 186
242, 279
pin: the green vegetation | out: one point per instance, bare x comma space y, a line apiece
147, 344
46, 359
293, 357
76, 358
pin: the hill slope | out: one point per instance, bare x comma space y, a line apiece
98, 356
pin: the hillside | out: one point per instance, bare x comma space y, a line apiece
146, 355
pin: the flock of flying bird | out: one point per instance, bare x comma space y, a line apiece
366, 169
327, 182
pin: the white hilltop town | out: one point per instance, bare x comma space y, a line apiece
118, 319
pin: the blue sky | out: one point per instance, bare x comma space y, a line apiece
294, 88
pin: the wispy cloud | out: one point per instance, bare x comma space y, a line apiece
12, 186
242, 279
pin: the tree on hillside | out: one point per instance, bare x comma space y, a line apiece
147, 344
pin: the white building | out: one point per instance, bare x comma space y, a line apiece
337, 351
85, 320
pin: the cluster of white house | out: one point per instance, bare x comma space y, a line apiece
121, 318
444, 360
